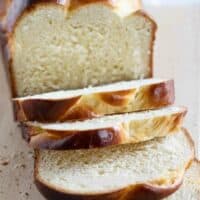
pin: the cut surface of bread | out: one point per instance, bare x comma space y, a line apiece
190, 189
78, 45
93, 102
105, 131
148, 170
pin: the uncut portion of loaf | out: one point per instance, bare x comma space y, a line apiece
105, 131
122, 171
93, 102
79, 45
190, 190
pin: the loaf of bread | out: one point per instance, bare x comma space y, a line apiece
105, 131
79, 44
150, 170
190, 190
93, 102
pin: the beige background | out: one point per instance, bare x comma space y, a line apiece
177, 56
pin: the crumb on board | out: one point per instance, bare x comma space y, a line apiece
5, 163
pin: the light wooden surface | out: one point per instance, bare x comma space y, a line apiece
177, 56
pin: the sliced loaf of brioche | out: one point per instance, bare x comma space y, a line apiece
78, 44
93, 102
144, 171
190, 190
105, 131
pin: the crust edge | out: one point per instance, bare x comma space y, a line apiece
142, 191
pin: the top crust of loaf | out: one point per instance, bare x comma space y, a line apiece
8, 19
116, 6
150, 191
74, 4
5, 6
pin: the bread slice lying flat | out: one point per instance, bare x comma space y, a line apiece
190, 190
148, 170
82, 43
105, 131
91, 102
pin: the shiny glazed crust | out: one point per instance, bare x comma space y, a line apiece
145, 191
70, 5
126, 132
96, 104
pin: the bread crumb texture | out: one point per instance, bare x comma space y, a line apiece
92, 45
113, 168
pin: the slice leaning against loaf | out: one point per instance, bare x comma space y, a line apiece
145, 171
93, 102
105, 131
190, 190
79, 44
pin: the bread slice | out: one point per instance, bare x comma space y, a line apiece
93, 102
105, 131
149, 170
84, 43
190, 190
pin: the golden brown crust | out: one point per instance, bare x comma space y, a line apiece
76, 4
139, 192
148, 191
22, 5
97, 104
43, 110
119, 98
129, 132
64, 140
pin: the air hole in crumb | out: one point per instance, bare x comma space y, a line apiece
54, 38
116, 66
50, 22
86, 162
59, 162
101, 172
